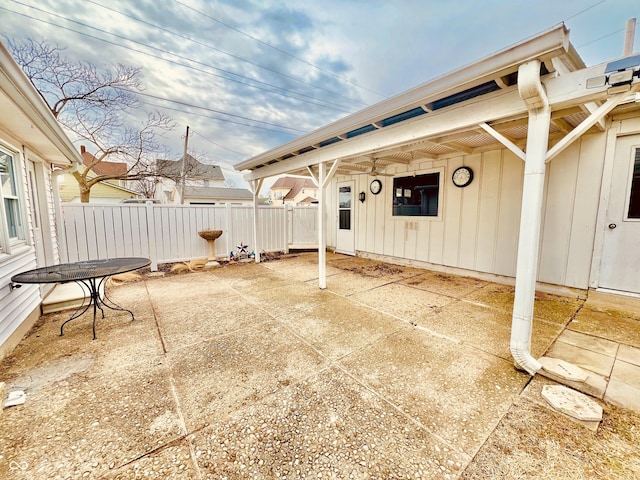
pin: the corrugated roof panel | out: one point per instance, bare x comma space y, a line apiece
414, 112
465, 95
324, 143
360, 131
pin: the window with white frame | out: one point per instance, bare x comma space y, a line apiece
12, 227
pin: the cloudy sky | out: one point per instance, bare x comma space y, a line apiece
249, 75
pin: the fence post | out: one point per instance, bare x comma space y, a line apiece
151, 235
285, 224
229, 236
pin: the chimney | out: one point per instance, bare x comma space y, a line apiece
83, 149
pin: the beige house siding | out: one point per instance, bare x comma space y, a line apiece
101, 192
478, 227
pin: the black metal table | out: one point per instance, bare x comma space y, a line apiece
92, 274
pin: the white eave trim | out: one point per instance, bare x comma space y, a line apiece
20, 91
551, 43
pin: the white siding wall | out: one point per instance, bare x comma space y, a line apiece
16, 305
479, 227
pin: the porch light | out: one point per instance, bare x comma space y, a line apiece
361, 197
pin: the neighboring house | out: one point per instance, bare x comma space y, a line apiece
107, 191
31, 142
293, 191
106, 168
215, 195
446, 183
194, 172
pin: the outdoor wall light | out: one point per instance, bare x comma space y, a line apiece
361, 196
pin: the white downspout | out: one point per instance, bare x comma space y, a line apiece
57, 204
533, 94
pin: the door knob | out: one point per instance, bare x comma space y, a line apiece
612, 226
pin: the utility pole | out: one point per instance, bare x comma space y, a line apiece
182, 169
629, 37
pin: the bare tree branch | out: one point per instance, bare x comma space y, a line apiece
93, 106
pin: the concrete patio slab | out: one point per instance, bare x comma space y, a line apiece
609, 323
348, 283
216, 377
622, 394
552, 308
77, 423
589, 342
415, 372
627, 373
486, 328
444, 284
587, 359
336, 331
398, 300
251, 371
315, 430
629, 354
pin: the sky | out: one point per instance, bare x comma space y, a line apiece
250, 75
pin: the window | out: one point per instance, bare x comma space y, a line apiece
344, 208
634, 199
416, 196
12, 227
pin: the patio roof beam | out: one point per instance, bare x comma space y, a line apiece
589, 122
503, 140
561, 91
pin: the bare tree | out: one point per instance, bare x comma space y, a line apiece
93, 106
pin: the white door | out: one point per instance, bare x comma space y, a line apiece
36, 218
620, 267
346, 237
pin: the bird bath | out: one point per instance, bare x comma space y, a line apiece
210, 236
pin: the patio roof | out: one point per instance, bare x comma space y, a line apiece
492, 79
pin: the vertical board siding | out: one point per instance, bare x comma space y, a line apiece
169, 233
479, 225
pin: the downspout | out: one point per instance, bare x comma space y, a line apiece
532, 93
57, 203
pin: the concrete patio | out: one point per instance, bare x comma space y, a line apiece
251, 371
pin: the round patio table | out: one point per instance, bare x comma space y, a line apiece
91, 274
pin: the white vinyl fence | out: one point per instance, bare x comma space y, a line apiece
169, 233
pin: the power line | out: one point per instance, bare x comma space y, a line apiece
216, 119
584, 10
284, 52
213, 110
244, 155
341, 108
601, 38
215, 49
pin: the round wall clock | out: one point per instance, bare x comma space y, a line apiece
375, 187
462, 176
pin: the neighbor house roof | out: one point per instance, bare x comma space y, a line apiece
193, 169
103, 167
293, 184
372, 133
218, 192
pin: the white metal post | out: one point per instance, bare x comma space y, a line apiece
322, 227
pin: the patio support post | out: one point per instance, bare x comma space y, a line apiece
322, 226
256, 185
533, 94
